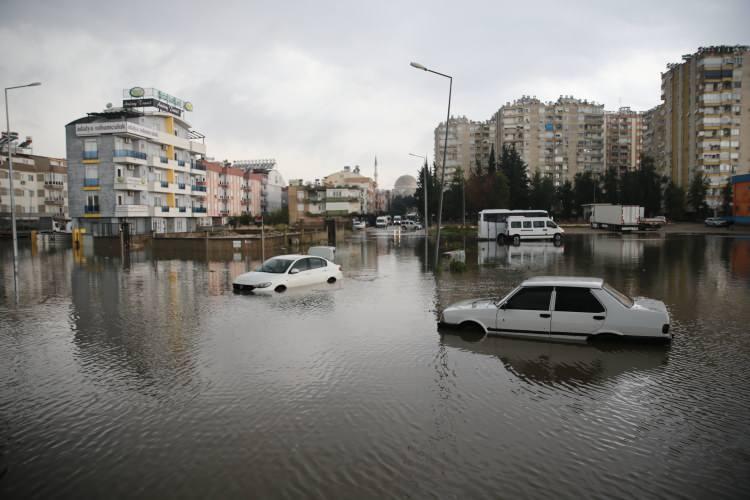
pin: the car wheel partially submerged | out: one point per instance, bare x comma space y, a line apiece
331, 280
280, 289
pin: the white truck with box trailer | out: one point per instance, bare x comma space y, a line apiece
616, 217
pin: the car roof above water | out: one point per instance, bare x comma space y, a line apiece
574, 281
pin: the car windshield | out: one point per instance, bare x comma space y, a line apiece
277, 266
621, 297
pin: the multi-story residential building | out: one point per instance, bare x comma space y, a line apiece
469, 142
707, 122
349, 177
136, 164
623, 139
231, 191
654, 135
272, 182
40, 184
558, 139
329, 199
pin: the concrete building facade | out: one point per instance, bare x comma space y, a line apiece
654, 135
707, 117
557, 139
623, 139
40, 185
136, 165
469, 142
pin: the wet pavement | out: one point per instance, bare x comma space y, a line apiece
151, 378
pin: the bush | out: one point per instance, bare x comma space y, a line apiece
456, 266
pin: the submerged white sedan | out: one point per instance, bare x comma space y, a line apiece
563, 308
287, 271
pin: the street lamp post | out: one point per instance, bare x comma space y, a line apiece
12, 194
424, 192
445, 153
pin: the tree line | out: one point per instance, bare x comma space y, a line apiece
505, 183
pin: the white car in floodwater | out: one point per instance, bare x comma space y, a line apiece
279, 273
563, 308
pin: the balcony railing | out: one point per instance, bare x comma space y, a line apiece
183, 209
164, 184
199, 188
90, 155
181, 185
131, 153
181, 163
163, 159
197, 166
165, 209
199, 210
90, 182
91, 209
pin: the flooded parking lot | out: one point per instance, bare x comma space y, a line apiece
152, 378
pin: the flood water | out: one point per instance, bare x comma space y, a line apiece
151, 378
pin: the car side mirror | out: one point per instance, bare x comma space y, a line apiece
294, 271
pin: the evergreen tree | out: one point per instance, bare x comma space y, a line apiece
478, 171
674, 201
514, 169
452, 199
611, 186
696, 196
541, 192
491, 166
499, 190
650, 184
566, 200
585, 190
432, 191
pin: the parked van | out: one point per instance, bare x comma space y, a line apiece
492, 222
397, 220
381, 221
532, 228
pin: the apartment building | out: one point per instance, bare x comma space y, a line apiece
623, 139
272, 191
137, 164
654, 135
558, 139
353, 178
468, 142
39, 183
707, 116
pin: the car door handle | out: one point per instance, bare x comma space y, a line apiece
599, 317
545, 315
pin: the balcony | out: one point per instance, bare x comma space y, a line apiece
91, 182
162, 187
224, 183
130, 183
54, 201
54, 184
131, 211
249, 188
200, 210
129, 156
91, 209
91, 155
197, 166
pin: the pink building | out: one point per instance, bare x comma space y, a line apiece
231, 191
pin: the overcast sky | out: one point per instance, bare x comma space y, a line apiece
319, 85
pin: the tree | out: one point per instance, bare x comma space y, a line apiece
432, 190
611, 186
514, 169
541, 192
585, 189
453, 198
726, 200
650, 184
674, 201
696, 195
491, 166
400, 205
566, 199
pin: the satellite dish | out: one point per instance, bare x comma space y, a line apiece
109, 105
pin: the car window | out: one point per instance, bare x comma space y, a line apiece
527, 224
532, 298
316, 263
538, 223
515, 224
302, 265
276, 266
576, 299
551, 224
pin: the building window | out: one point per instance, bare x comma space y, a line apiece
90, 149
92, 204
91, 177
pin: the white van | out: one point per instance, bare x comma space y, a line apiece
397, 220
381, 221
532, 228
492, 222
